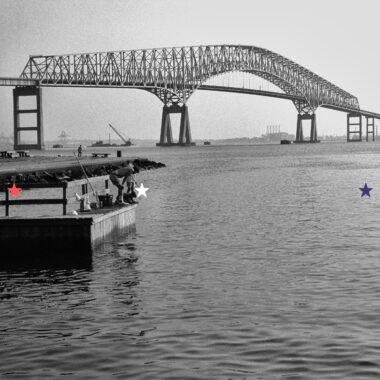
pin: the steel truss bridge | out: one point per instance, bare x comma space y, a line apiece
174, 74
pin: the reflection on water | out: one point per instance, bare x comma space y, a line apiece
57, 321
247, 263
21, 260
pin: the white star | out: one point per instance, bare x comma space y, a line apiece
142, 190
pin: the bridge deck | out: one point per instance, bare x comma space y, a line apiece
9, 81
238, 90
283, 96
4, 81
360, 112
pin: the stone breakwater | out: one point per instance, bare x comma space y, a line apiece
71, 171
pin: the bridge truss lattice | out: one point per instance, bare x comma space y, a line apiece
174, 74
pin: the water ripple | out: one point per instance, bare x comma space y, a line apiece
247, 263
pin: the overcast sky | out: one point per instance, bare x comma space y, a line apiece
337, 39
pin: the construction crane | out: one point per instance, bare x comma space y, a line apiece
127, 142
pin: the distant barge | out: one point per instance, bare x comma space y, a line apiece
102, 144
307, 142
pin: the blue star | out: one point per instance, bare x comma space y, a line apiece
365, 190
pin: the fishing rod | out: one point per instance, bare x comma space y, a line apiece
84, 172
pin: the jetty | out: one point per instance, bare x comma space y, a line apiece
29, 169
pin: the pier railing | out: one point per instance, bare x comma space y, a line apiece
36, 201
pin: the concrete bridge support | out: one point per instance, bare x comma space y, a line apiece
370, 127
299, 133
166, 137
354, 127
313, 128
37, 126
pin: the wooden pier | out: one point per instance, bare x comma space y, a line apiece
55, 238
67, 233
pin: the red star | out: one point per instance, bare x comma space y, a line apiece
14, 190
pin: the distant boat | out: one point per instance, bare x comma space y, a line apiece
127, 142
102, 144
286, 142
206, 143
57, 146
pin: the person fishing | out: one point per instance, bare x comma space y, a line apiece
127, 173
80, 151
131, 182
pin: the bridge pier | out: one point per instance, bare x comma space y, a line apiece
313, 128
166, 136
370, 123
19, 92
352, 124
299, 133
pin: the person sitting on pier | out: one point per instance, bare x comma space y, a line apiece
127, 174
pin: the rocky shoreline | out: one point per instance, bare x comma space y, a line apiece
74, 171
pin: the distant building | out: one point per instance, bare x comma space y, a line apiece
274, 135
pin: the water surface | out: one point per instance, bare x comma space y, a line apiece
249, 262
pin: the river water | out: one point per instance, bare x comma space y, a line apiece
249, 262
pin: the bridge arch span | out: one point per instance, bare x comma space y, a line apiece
174, 74
181, 70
